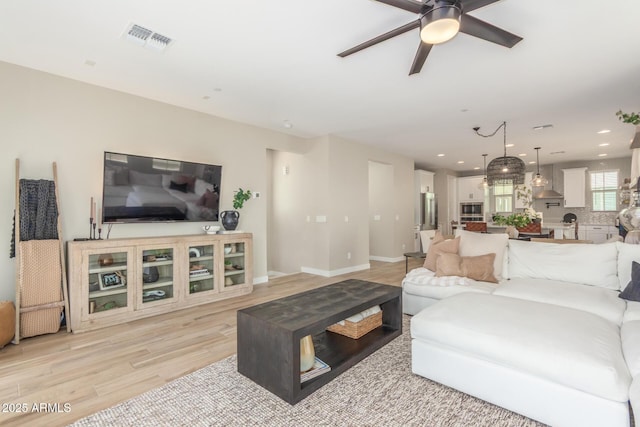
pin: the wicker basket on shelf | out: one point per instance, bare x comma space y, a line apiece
356, 330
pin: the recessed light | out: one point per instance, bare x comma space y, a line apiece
460, 162
476, 168
557, 152
540, 127
206, 97
287, 124
509, 145
602, 155
440, 155
604, 131
532, 163
604, 144
522, 154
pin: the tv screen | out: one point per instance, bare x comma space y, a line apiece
150, 189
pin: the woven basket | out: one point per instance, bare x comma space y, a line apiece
358, 329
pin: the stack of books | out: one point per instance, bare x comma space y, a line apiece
199, 272
318, 368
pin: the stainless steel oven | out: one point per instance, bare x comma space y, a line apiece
471, 211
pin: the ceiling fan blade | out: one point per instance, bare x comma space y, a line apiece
483, 30
409, 5
421, 56
381, 38
469, 5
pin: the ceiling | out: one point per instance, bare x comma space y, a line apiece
269, 63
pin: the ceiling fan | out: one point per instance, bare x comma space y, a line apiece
439, 21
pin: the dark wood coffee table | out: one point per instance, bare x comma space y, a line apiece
269, 334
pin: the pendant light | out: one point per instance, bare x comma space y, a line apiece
505, 169
538, 180
485, 183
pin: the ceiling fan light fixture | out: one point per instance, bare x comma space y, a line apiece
440, 24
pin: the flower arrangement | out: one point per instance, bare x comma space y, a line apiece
517, 220
525, 196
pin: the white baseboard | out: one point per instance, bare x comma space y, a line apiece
331, 273
261, 279
385, 259
272, 273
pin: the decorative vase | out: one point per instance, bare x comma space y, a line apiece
512, 231
230, 219
105, 260
630, 217
307, 353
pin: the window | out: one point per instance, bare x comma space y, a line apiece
167, 165
503, 196
115, 157
604, 190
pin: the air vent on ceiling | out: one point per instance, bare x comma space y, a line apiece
144, 37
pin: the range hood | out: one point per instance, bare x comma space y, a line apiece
548, 194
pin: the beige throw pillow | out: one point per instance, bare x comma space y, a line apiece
474, 267
439, 246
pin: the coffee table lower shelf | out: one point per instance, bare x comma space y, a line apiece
341, 353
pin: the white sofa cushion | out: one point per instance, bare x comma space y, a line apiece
630, 333
416, 282
627, 253
474, 244
634, 399
603, 302
589, 264
570, 347
632, 312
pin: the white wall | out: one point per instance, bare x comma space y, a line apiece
44, 118
328, 185
381, 219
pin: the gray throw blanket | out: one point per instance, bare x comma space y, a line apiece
38, 211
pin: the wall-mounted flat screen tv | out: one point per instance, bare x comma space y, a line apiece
150, 189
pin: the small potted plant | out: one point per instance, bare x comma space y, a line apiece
230, 218
513, 222
634, 119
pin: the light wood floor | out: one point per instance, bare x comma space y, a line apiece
95, 370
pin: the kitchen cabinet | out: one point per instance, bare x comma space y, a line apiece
424, 181
574, 187
598, 233
470, 189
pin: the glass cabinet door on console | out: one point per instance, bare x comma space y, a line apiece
109, 290
201, 269
157, 276
234, 265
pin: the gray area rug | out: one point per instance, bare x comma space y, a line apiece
379, 391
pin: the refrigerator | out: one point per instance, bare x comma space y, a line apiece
428, 211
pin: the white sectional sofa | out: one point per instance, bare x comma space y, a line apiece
551, 340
